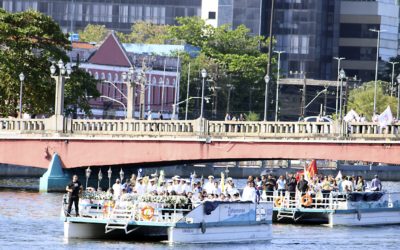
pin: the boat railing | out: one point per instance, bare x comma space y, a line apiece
333, 200
297, 200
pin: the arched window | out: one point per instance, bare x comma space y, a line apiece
109, 77
116, 77
167, 82
103, 76
154, 81
160, 81
96, 75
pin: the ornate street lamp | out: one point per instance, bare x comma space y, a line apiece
100, 177
109, 173
121, 175
64, 73
88, 171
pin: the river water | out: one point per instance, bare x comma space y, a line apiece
31, 220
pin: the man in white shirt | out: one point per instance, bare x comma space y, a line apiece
347, 185
117, 189
140, 187
209, 186
249, 192
151, 187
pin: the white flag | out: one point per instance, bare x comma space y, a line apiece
385, 118
351, 116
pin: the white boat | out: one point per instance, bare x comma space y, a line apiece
171, 220
344, 209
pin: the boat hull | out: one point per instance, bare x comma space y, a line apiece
365, 217
220, 234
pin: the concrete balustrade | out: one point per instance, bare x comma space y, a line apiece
142, 127
22, 125
202, 127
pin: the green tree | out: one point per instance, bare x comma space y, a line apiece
235, 59
29, 41
361, 99
77, 89
144, 32
93, 33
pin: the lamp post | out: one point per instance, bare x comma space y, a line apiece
266, 79
376, 64
230, 88
398, 96
392, 83
337, 83
109, 173
187, 93
203, 75
63, 74
277, 84
342, 76
268, 73
100, 177
88, 171
21, 78
128, 78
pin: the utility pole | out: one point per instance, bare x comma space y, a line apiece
267, 76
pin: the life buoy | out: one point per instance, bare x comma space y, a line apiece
147, 212
108, 205
306, 200
278, 202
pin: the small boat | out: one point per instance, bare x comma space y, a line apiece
170, 218
344, 209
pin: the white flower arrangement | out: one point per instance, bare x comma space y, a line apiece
96, 195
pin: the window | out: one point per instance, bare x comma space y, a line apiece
212, 15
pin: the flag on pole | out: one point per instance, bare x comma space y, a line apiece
222, 182
306, 175
385, 118
312, 169
339, 176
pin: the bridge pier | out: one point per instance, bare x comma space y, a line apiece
54, 179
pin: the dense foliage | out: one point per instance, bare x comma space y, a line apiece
29, 42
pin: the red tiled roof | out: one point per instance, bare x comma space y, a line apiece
82, 45
111, 53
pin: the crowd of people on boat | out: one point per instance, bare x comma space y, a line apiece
256, 188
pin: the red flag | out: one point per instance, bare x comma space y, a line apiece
312, 169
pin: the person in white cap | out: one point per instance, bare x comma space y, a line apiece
151, 186
170, 187
229, 185
176, 185
209, 186
140, 187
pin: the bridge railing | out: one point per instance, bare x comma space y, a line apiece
139, 127
22, 125
372, 130
271, 129
231, 129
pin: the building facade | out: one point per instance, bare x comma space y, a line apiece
74, 15
111, 60
358, 44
